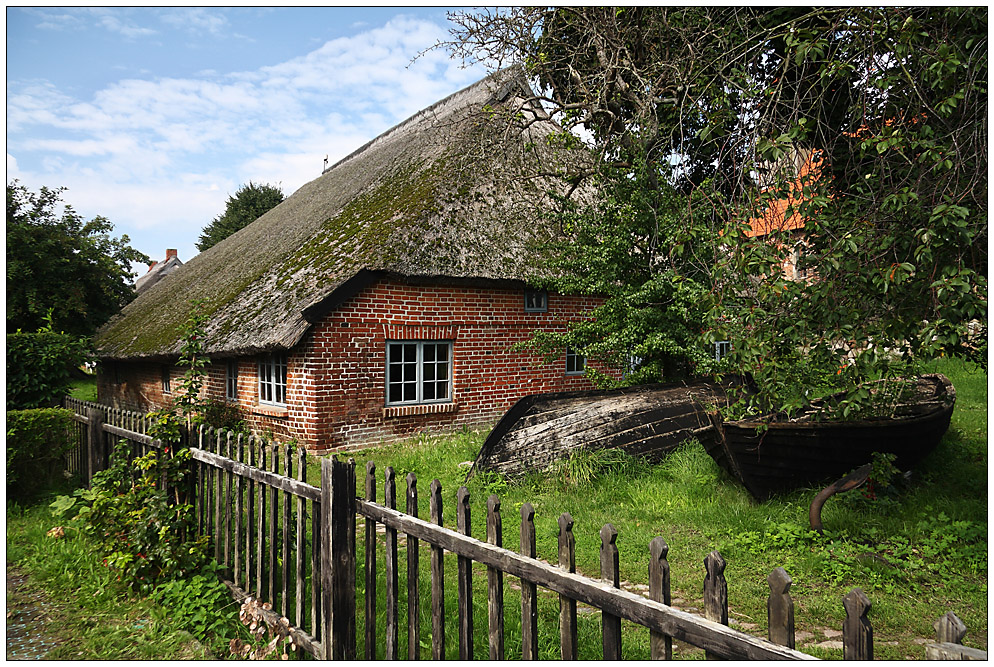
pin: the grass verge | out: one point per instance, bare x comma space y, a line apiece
917, 552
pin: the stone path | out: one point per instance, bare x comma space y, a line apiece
27, 618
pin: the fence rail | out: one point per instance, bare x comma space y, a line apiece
282, 540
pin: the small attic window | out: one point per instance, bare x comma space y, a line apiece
536, 301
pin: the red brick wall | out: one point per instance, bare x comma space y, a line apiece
336, 376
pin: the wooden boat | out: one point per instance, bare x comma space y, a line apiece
770, 456
647, 421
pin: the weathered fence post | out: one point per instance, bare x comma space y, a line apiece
780, 608
465, 578
338, 561
392, 574
949, 633
94, 443
857, 632
610, 624
370, 565
567, 606
495, 582
660, 645
529, 597
437, 577
715, 592
413, 596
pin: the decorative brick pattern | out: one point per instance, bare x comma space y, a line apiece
336, 376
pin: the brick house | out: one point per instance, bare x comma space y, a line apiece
383, 298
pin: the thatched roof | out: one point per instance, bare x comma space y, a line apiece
429, 197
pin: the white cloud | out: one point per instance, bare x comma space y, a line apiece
158, 156
197, 20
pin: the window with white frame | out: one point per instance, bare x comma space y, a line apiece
722, 348
166, 381
536, 301
272, 380
575, 363
419, 372
231, 381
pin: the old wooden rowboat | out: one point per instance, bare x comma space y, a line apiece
770, 457
646, 421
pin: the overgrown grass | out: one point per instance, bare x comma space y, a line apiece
91, 615
85, 388
917, 553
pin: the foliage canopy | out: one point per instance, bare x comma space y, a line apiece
243, 208
867, 123
61, 264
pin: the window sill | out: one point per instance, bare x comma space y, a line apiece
276, 411
422, 409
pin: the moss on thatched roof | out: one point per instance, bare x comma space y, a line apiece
429, 197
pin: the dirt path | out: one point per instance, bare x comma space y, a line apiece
27, 619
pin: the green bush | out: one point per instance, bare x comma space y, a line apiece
40, 366
36, 442
223, 415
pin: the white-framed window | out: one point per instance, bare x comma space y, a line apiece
166, 381
536, 301
721, 349
419, 371
231, 381
272, 379
575, 363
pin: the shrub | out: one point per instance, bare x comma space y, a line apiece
222, 415
40, 366
36, 442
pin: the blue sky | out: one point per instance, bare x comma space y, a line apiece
151, 117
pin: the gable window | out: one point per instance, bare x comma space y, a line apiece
166, 386
231, 381
536, 301
575, 363
419, 372
272, 380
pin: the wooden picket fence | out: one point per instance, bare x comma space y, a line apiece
282, 540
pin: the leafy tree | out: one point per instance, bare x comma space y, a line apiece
40, 366
699, 119
63, 265
243, 208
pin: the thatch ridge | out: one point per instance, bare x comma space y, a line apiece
422, 199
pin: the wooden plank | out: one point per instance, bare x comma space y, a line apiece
950, 651
464, 577
239, 509
437, 576
857, 631
327, 564
610, 572
217, 487
780, 608
632, 607
260, 535
287, 563
413, 597
274, 496
660, 646
317, 583
392, 574
258, 474
301, 544
249, 513
529, 593
343, 560
370, 565
308, 642
715, 592
94, 443
567, 603
228, 485
132, 435
495, 583
949, 629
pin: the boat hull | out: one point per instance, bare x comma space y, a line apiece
790, 455
647, 421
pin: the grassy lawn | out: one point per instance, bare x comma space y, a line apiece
85, 389
917, 553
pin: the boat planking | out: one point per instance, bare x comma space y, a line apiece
646, 421
773, 457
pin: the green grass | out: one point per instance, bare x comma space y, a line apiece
89, 613
85, 389
916, 554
